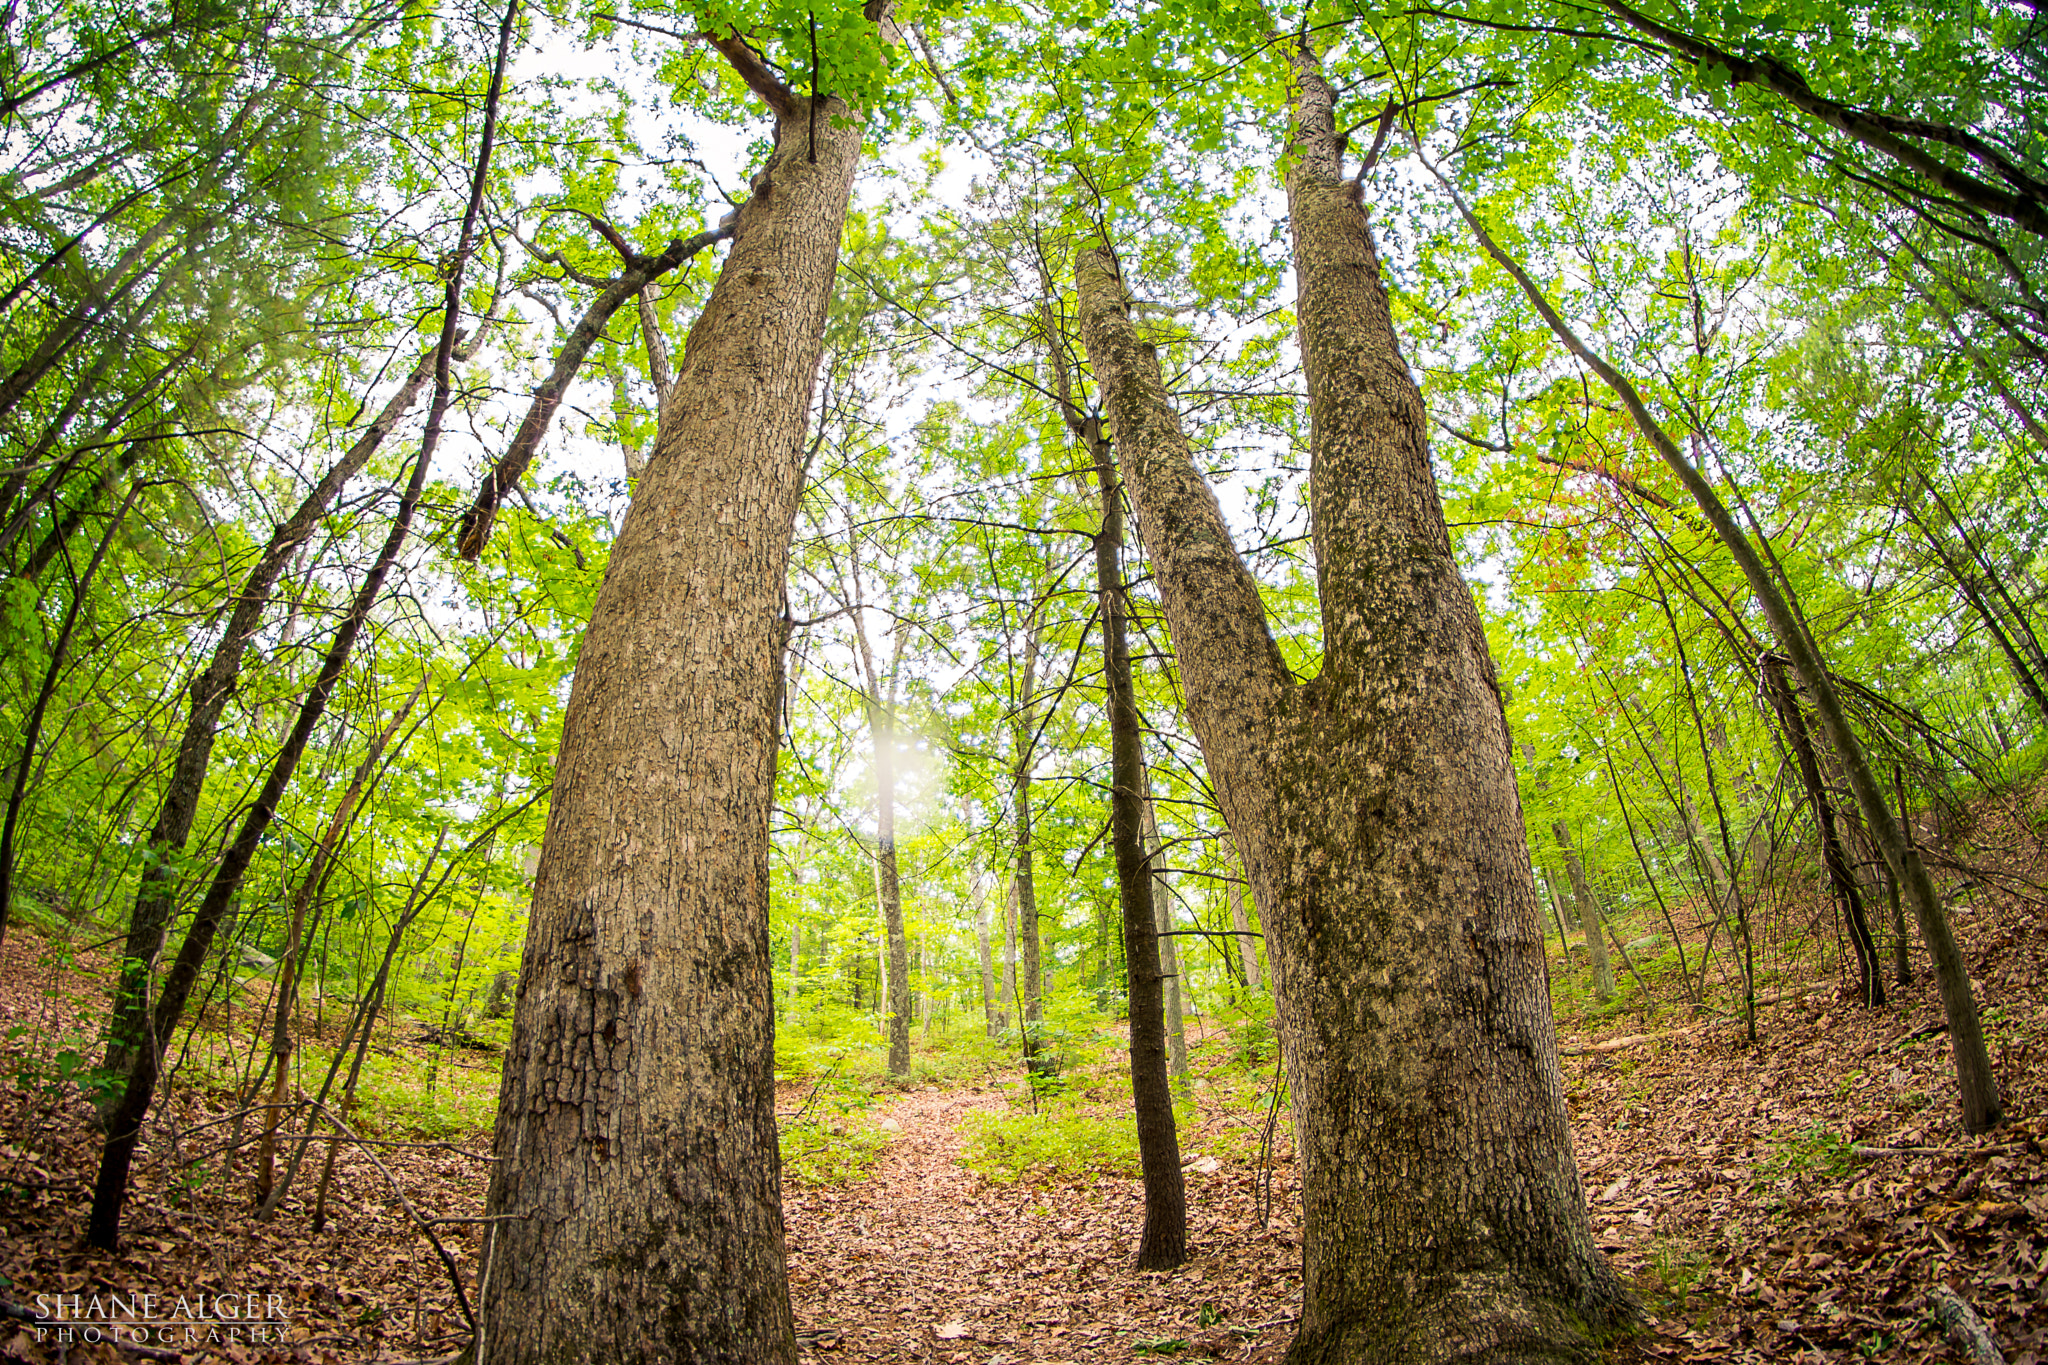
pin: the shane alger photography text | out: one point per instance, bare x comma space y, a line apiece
161, 1319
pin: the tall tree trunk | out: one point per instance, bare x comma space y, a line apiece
636, 1199
1589, 914
1168, 950
1841, 877
1030, 983
889, 890
1163, 1243
1977, 1084
1377, 814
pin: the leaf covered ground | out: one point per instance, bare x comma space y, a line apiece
1790, 1200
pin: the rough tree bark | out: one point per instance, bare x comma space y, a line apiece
1376, 810
636, 1202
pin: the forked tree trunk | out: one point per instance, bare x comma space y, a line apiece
636, 1198
1377, 814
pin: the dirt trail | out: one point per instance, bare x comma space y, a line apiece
924, 1261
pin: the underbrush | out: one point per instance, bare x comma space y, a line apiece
824, 1151
1060, 1141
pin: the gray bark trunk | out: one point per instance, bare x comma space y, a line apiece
1589, 914
1172, 1008
1376, 810
636, 1200
1247, 943
1031, 1017
989, 1016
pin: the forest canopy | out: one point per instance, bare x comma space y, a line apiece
340, 339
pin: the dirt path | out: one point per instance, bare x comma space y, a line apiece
924, 1261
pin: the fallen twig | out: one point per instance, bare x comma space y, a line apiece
1966, 1331
425, 1227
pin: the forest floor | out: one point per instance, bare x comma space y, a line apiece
1794, 1199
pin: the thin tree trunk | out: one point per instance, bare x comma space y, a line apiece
288, 960
32, 729
1008, 1009
894, 997
1589, 914
990, 1016
636, 1200
1377, 814
1977, 1085
156, 896
1163, 1243
889, 890
1247, 942
1841, 878
124, 1127
1168, 951
1024, 734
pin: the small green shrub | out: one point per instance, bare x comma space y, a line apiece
814, 1154
1251, 1042
1678, 1268
1056, 1142
1812, 1153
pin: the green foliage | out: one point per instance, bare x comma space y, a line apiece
830, 1151
1678, 1268
1063, 1140
1817, 1153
